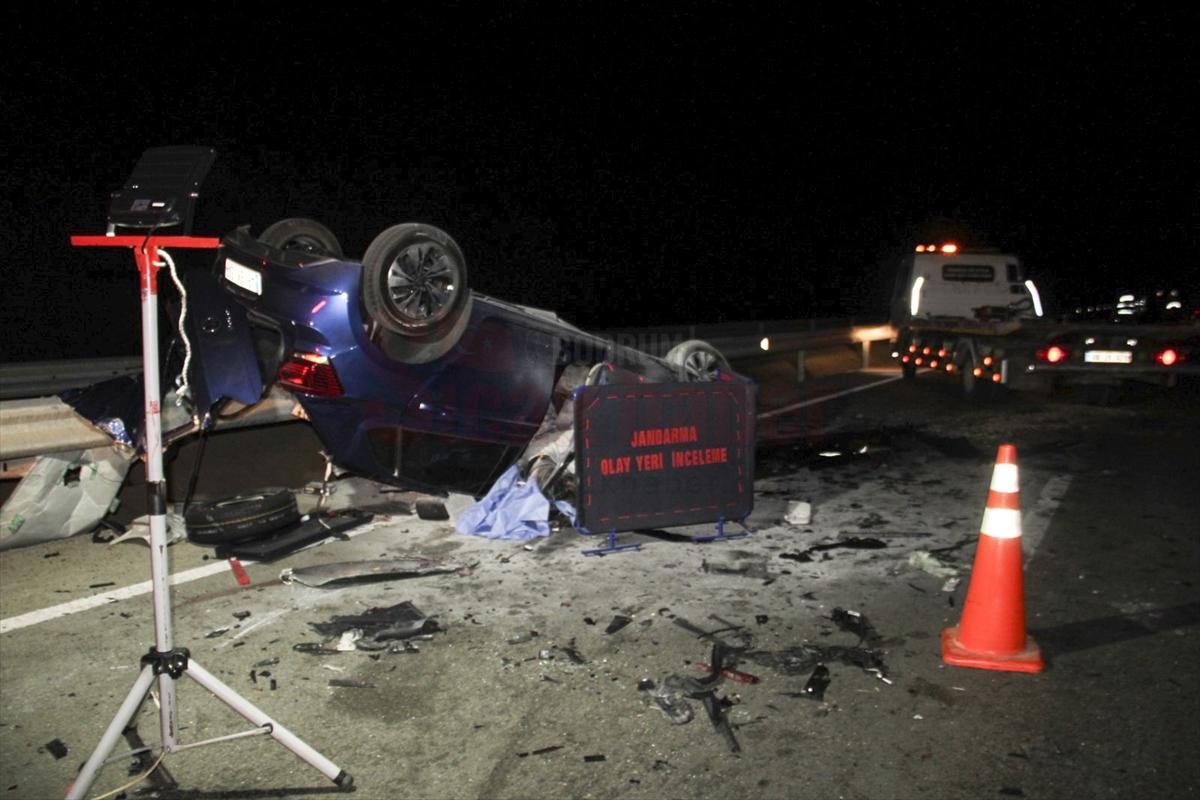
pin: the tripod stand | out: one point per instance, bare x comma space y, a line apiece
166, 663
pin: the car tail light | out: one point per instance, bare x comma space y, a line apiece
1053, 354
1167, 357
310, 373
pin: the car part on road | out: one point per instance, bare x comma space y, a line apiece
316, 528
856, 623
305, 235
817, 683
241, 517
801, 658
376, 569
393, 622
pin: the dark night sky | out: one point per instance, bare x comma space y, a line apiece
622, 164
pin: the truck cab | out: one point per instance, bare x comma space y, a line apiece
940, 282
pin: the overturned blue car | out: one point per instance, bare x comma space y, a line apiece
406, 375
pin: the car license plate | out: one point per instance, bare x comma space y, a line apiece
243, 276
1108, 357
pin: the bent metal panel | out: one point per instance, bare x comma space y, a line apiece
665, 454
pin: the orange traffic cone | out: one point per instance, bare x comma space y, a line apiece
991, 634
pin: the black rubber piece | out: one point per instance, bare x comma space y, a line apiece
287, 541
242, 517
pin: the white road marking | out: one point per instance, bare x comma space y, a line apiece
1036, 521
126, 592
823, 398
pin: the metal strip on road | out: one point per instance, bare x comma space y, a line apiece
126, 592
824, 398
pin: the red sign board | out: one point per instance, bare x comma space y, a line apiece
664, 454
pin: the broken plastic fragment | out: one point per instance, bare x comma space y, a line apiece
927, 562
856, 623
817, 683
798, 513
668, 701
56, 748
347, 642
377, 569
618, 621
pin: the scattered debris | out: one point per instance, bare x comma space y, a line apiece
927, 562
239, 572
856, 623
213, 634
803, 657
731, 674
378, 626
747, 569
523, 637
618, 621
595, 758
369, 570
241, 615
267, 662
761, 619
101, 585
541, 751
314, 648
669, 701
572, 653
318, 527
951, 584
432, 509
346, 683
679, 711
348, 639
56, 748
848, 543
818, 682
798, 513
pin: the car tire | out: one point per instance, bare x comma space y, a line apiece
242, 517
306, 235
414, 282
696, 361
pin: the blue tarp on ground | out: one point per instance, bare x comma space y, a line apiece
512, 509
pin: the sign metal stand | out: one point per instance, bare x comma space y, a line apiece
166, 663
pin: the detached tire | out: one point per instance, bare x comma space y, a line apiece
242, 517
305, 235
697, 361
414, 282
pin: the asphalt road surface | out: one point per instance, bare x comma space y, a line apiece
526, 693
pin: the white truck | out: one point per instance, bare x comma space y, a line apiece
973, 314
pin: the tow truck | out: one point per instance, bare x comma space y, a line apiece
974, 315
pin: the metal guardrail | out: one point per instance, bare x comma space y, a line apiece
40, 378
33, 421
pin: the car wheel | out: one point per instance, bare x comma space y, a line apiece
696, 361
306, 235
242, 517
414, 281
